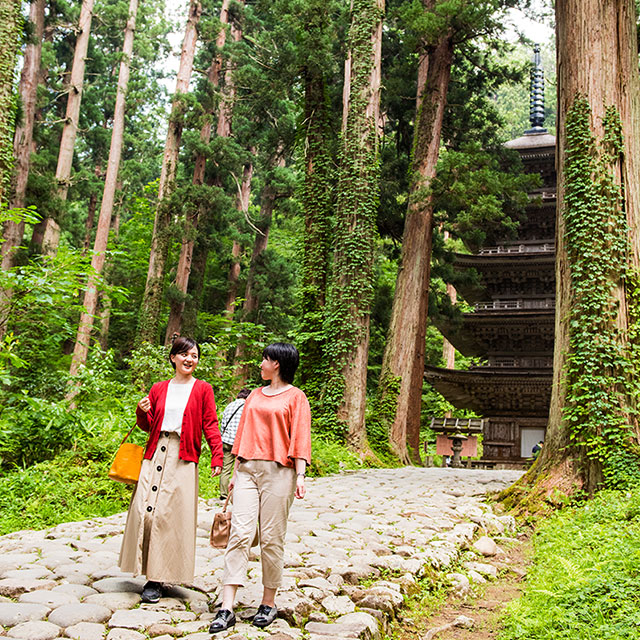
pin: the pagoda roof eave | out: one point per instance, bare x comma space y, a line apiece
499, 392
470, 337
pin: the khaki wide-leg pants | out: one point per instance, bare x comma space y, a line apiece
263, 492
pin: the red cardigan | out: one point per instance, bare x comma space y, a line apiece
199, 415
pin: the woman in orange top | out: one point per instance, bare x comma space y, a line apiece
273, 449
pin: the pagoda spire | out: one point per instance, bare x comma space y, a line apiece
536, 99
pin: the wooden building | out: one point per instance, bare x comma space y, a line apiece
511, 327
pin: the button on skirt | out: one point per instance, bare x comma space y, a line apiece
160, 535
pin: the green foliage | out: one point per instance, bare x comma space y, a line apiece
330, 457
584, 582
603, 361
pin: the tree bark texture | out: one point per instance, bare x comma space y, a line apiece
188, 241
597, 61
23, 139
317, 206
81, 348
51, 236
225, 112
10, 26
242, 204
152, 299
250, 306
403, 363
351, 289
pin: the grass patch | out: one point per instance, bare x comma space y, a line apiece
585, 580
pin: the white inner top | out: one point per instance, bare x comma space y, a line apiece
177, 398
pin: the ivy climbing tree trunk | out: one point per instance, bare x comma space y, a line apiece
23, 140
317, 202
183, 272
152, 299
400, 387
351, 288
10, 26
592, 436
50, 228
81, 348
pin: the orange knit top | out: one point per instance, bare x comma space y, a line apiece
275, 428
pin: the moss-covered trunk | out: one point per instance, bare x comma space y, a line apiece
351, 287
592, 437
152, 299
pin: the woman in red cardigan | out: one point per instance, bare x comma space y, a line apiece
160, 535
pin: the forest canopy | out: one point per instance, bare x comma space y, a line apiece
270, 193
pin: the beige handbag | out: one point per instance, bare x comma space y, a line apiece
126, 465
221, 527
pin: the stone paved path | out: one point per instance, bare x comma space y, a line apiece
385, 526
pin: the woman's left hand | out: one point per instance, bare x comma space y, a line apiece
215, 471
300, 488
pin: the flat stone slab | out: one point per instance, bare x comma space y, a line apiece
13, 587
51, 599
118, 585
126, 634
86, 631
70, 614
114, 600
138, 618
13, 613
35, 630
77, 590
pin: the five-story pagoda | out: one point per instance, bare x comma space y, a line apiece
511, 327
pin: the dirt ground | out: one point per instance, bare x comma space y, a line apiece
484, 609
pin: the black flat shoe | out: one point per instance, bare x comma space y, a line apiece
224, 620
152, 592
265, 616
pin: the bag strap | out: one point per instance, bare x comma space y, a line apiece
128, 434
226, 502
226, 426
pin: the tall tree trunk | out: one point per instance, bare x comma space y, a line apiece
83, 336
250, 306
242, 204
23, 139
10, 26
152, 299
400, 388
186, 250
51, 231
351, 289
592, 436
317, 205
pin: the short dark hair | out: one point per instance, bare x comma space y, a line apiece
243, 393
287, 355
182, 344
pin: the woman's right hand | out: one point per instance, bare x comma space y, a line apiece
144, 404
231, 483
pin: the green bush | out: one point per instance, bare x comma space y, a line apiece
585, 581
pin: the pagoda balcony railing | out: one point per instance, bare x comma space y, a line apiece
507, 362
546, 247
503, 305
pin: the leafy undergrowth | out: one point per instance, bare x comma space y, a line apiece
74, 485
585, 580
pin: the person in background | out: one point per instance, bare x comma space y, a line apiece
273, 449
228, 429
537, 448
160, 534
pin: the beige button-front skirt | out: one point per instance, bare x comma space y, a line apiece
160, 535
